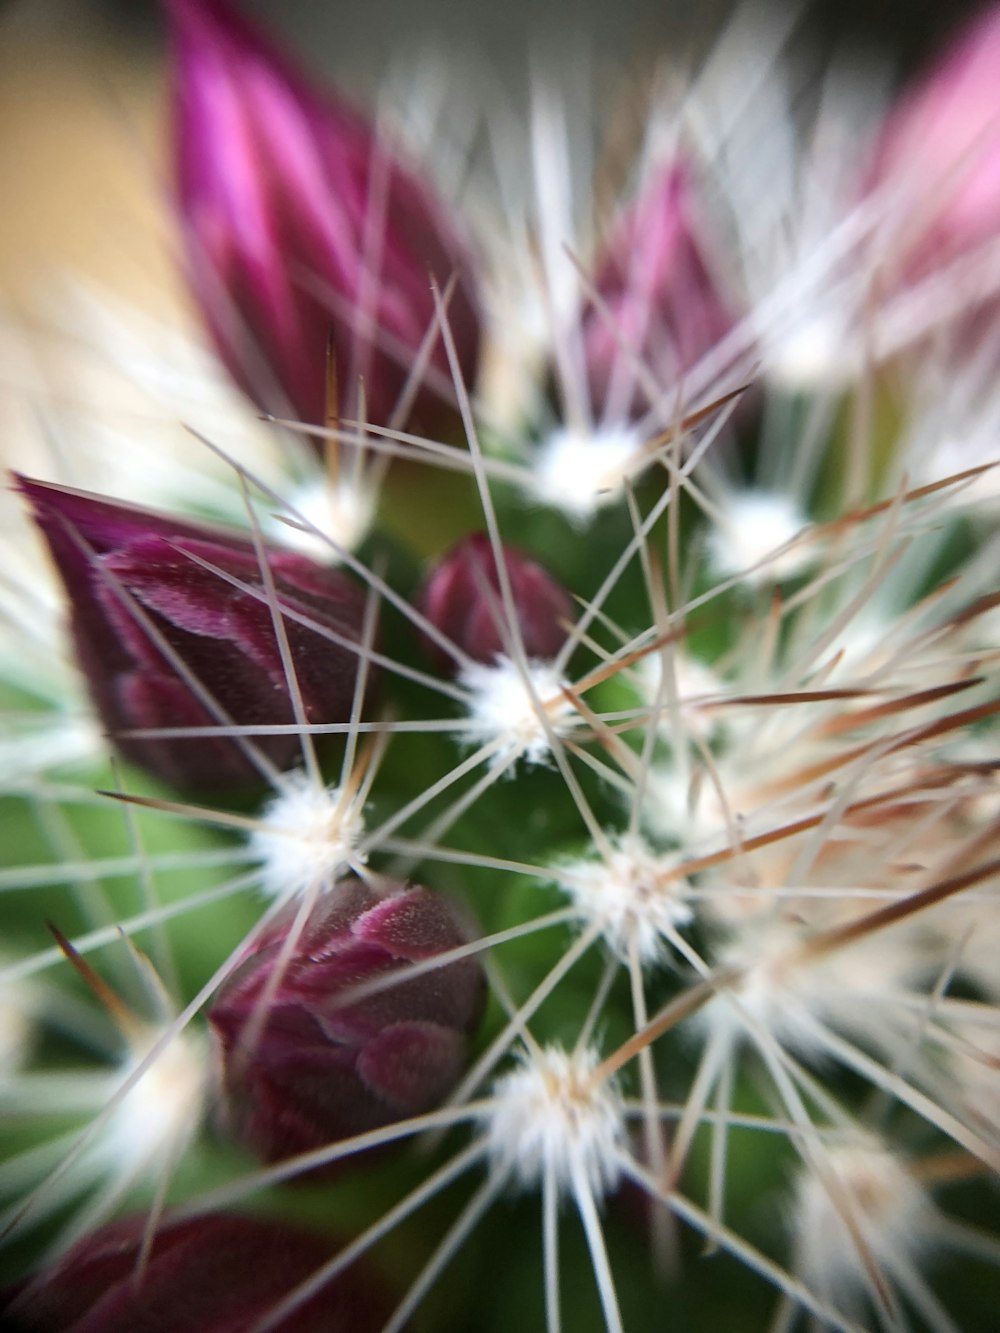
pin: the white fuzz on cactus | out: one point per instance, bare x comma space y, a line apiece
630, 894
580, 474
156, 1118
308, 837
518, 712
555, 1117
864, 1216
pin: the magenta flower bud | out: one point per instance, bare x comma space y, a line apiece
321, 1069
210, 1274
160, 638
940, 150
660, 308
461, 598
304, 231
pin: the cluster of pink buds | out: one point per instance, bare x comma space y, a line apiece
750, 744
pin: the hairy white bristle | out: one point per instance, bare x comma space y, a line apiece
753, 534
580, 473
551, 1116
307, 837
160, 1114
974, 1068
508, 705
17, 1008
626, 894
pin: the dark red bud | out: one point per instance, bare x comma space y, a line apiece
132, 575
211, 1274
461, 598
321, 1070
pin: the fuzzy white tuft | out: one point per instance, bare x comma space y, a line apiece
683, 813
753, 537
811, 353
581, 473
307, 838
889, 1212
696, 684
553, 1116
160, 1114
339, 515
625, 894
796, 999
508, 707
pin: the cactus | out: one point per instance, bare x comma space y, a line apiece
614, 626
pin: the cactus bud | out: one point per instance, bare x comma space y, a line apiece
940, 149
314, 1070
213, 1273
304, 232
659, 305
461, 598
158, 634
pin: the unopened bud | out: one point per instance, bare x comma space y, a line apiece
461, 598
210, 1274
173, 629
306, 233
658, 308
318, 1066
939, 153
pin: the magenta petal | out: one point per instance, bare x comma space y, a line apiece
410, 925
155, 701
940, 150
304, 229
660, 306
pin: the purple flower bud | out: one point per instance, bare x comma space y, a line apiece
138, 596
660, 305
320, 1070
213, 1274
461, 598
305, 231
940, 149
